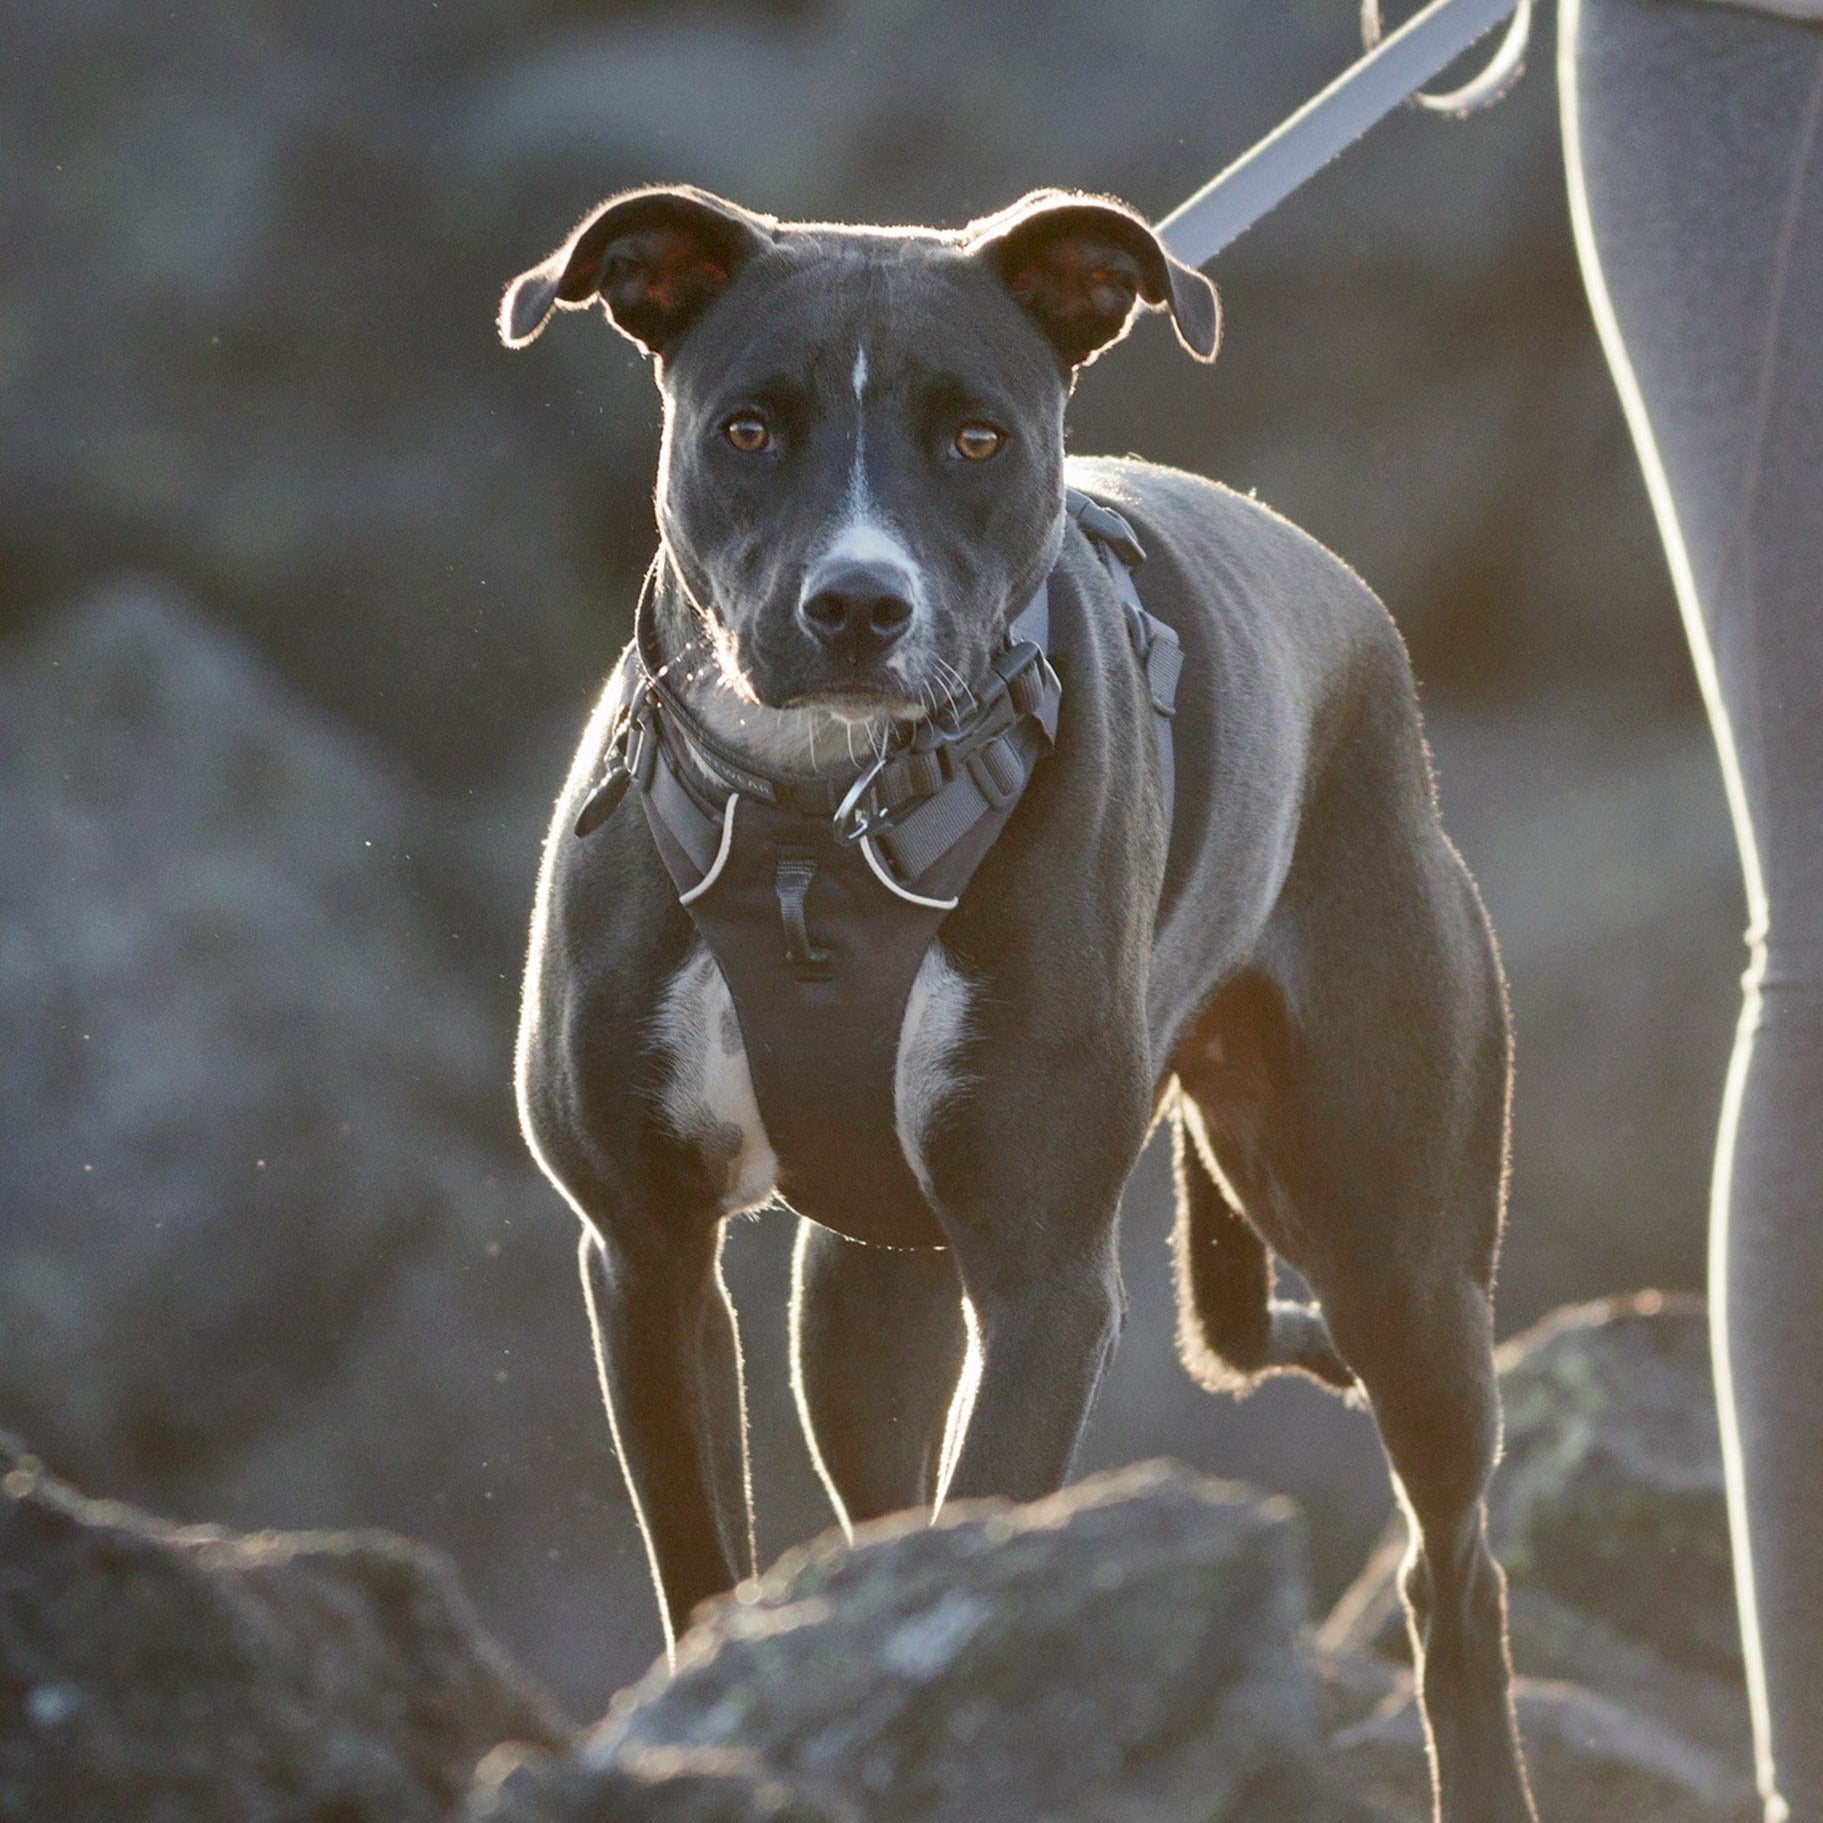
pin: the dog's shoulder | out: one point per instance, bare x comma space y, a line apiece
1213, 531
1241, 582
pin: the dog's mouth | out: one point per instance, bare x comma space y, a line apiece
859, 703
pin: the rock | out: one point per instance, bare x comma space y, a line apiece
1611, 1485
1609, 1494
273, 1253
151, 1674
642, 1786
1588, 1757
224, 1019
1126, 1649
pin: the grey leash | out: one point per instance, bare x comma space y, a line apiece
1394, 69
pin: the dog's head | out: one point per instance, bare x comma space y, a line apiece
861, 477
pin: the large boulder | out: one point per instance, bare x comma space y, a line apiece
235, 1061
1124, 1650
1609, 1516
272, 1252
150, 1674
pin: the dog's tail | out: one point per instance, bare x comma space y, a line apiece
1231, 1331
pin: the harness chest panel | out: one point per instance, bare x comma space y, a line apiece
820, 958
819, 922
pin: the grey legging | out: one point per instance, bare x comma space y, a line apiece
1696, 177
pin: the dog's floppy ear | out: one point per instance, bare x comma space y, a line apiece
1079, 264
653, 258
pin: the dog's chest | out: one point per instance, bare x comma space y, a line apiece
709, 1102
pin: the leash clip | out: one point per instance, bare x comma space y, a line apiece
632, 752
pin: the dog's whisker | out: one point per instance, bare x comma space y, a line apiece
958, 710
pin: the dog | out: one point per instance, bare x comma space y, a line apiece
862, 483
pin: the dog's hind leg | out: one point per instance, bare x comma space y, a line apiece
1231, 1331
1425, 1356
1368, 1146
1389, 1161
877, 1348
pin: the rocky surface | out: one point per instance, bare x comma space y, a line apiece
1124, 1650
1137, 1647
640, 1787
155, 1675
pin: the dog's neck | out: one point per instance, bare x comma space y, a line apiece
805, 739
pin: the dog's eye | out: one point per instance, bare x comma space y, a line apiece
977, 442
748, 433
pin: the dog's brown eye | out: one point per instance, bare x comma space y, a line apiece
747, 433
978, 441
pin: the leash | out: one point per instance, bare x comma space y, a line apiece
1395, 69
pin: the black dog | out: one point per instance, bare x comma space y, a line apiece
862, 485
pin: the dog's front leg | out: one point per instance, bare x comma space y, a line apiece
669, 1360
1030, 1207
1039, 1343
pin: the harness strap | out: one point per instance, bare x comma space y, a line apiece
915, 807
793, 871
1154, 644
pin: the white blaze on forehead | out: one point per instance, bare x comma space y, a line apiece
862, 533
869, 540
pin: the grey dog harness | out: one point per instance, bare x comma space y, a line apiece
820, 897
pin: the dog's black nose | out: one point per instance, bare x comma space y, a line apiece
858, 610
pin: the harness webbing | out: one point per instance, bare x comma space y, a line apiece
1154, 644
911, 807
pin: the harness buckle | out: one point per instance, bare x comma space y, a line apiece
855, 817
632, 753
638, 738
996, 770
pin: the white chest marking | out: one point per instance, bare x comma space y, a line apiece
926, 1072
709, 1099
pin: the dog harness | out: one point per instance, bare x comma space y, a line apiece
819, 897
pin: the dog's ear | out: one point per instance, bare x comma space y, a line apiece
1080, 264
653, 259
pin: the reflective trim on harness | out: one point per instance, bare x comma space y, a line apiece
904, 892
721, 854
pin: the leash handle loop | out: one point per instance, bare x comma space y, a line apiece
1332, 120
1503, 69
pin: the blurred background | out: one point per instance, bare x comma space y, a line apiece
306, 586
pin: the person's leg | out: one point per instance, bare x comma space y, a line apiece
1694, 138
